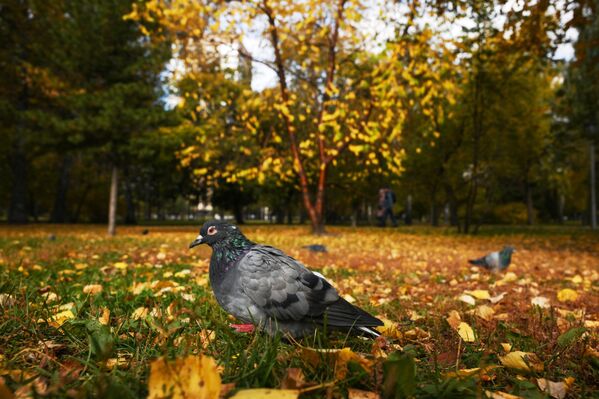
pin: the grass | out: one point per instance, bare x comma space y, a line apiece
409, 276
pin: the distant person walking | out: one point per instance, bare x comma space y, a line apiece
385, 209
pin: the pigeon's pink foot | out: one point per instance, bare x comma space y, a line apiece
243, 328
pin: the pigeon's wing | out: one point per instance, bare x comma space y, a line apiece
282, 287
479, 262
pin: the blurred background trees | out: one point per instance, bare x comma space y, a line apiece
298, 111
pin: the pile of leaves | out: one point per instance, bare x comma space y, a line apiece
82, 314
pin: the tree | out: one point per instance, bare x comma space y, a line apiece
334, 96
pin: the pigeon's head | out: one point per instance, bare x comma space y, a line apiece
214, 231
508, 250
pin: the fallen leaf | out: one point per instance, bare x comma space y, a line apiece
5, 393
120, 265
567, 295
466, 332
524, 361
478, 294
260, 393
470, 372
495, 299
294, 379
501, 395
140, 313
92, 289
454, 319
184, 378
484, 312
340, 358
353, 393
467, 299
554, 389
105, 318
389, 329
541, 302
506, 346
59, 318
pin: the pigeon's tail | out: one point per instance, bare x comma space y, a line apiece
478, 262
370, 331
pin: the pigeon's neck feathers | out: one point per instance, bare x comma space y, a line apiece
226, 253
505, 256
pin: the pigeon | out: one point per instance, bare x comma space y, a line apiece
495, 261
316, 248
263, 286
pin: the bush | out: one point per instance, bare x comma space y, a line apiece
511, 213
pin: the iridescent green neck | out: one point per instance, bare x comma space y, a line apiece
230, 248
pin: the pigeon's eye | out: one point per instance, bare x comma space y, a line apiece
211, 230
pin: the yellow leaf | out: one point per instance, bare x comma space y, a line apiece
260, 393
61, 317
389, 329
120, 265
524, 361
501, 395
140, 313
184, 378
454, 319
466, 332
105, 318
506, 346
484, 312
92, 289
340, 358
479, 294
566, 295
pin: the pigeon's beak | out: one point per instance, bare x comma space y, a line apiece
199, 240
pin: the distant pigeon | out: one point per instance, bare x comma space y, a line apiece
260, 285
315, 248
495, 261
51, 237
145, 232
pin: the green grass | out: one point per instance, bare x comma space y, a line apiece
76, 359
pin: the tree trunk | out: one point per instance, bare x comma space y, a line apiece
560, 208
131, 211
434, 208
409, 210
530, 210
593, 198
238, 213
17, 212
59, 210
113, 201
80, 203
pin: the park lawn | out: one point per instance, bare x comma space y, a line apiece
82, 314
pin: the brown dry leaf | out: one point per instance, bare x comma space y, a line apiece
340, 356
206, 336
454, 319
360, 394
260, 393
105, 318
524, 361
417, 333
554, 389
294, 379
567, 295
92, 289
5, 393
191, 377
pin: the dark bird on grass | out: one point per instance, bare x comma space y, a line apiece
495, 261
316, 248
145, 232
262, 286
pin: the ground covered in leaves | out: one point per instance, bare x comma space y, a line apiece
82, 314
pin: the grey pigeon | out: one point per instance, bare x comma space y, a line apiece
316, 248
259, 284
495, 261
